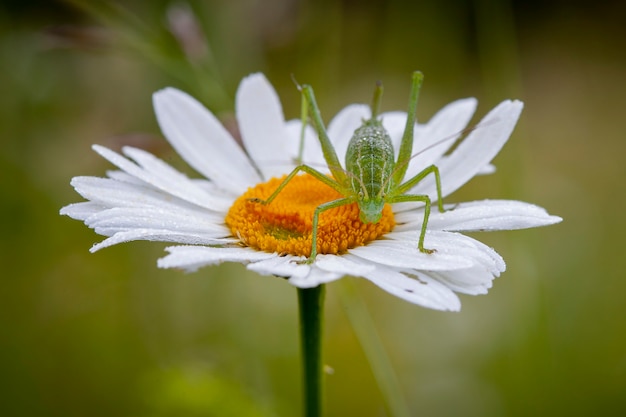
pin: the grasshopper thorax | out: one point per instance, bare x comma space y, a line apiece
370, 164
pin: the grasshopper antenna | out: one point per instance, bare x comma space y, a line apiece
378, 93
293, 79
304, 119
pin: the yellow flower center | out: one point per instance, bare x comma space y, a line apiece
285, 225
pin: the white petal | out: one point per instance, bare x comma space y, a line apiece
177, 183
471, 281
485, 215
301, 275
155, 235
80, 211
405, 254
262, 125
312, 154
124, 177
474, 280
439, 134
476, 151
492, 261
191, 258
210, 188
179, 186
125, 219
342, 127
456, 245
202, 141
282, 266
113, 193
342, 265
421, 289
487, 169
315, 277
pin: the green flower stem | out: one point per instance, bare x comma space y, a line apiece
311, 302
374, 350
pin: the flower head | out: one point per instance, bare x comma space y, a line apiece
215, 219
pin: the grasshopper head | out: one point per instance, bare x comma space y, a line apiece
371, 209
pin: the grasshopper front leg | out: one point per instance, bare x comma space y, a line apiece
300, 168
422, 199
410, 183
316, 214
319, 209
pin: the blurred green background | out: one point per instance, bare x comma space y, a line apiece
109, 334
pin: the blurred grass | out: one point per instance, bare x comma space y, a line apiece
111, 335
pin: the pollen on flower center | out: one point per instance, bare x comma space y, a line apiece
285, 225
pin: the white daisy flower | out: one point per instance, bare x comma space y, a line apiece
214, 220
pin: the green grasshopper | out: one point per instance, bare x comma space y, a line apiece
371, 177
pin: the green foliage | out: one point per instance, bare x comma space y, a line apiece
195, 392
